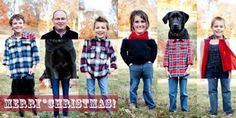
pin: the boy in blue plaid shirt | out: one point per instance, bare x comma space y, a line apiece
20, 58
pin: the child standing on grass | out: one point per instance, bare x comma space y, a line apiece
95, 56
139, 52
20, 58
178, 59
217, 62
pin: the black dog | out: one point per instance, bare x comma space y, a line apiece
177, 20
59, 59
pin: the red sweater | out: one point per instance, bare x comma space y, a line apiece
228, 58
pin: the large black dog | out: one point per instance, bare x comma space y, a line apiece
177, 20
59, 59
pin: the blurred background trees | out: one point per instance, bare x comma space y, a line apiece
126, 7
38, 13
211, 8
82, 13
89, 10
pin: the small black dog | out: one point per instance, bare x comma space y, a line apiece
177, 20
59, 59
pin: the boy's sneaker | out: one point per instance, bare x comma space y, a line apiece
172, 112
151, 108
212, 116
132, 106
229, 115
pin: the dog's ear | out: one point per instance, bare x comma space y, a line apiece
186, 16
166, 17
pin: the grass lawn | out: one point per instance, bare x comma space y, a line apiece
119, 85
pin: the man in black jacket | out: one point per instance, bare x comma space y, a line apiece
60, 56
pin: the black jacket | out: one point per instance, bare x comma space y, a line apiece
53, 35
60, 55
138, 51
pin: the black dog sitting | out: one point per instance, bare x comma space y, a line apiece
177, 20
59, 59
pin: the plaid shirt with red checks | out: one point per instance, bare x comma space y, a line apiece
178, 55
95, 56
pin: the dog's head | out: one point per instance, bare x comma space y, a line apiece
177, 19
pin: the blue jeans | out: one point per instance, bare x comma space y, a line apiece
137, 72
102, 83
213, 95
173, 87
55, 90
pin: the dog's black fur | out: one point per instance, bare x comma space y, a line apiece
60, 59
177, 20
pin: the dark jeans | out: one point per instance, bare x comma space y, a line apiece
56, 93
23, 86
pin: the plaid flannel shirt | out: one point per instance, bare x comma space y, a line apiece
20, 54
95, 55
178, 55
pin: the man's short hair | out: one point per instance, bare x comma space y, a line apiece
57, 11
